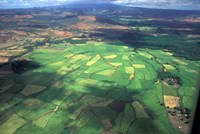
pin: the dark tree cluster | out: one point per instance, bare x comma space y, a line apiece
19, 66
170, 78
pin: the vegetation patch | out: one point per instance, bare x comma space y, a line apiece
21, 65
100, 101
110, 57
139, 110
138, 66
32, 89
168, 67
93, 61
12, 124
127, 119
171, 79
115, 64
106, 72
146, 55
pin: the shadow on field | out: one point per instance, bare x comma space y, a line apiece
106, 102
176, 43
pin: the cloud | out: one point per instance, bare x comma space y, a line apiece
161, 3
177, 4
31, 3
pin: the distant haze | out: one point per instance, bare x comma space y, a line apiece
173, 4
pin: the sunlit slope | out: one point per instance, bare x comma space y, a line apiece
96, 88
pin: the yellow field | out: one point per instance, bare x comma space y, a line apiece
171, 101
5, 53
129, 70
124, 57
86, 72
146, 55
11, 52
94, 60
180, 62
168, 67
17, 51
106, 72
138, 65
169, 53
63, 70
131, 76
12, 47
126, 47
81, 56
115, 64
76, 39
86, 81
3, 60
59, 63
110, 56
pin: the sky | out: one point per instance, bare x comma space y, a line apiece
174, 4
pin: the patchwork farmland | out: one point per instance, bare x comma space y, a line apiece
98, 71
92, 88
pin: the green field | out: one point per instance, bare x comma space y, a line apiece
78, 92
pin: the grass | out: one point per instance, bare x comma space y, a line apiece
87, 98
32, 89
16, 99
26, 128
129, 70
84, 118
149, 56
142, 126
139, 110
99, 101
17, 88
81, 86
127, 119
56, 121
91, 127
78, 111
39, 112
167, 90
32, 103
43, 120
12, 124
106, 72
115, 64
104, 113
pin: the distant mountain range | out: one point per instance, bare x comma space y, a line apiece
163, 4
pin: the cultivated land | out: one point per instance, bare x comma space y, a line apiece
112, 70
